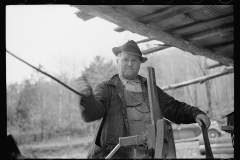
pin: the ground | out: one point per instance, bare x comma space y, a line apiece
77, 148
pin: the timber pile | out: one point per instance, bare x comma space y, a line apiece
221, 145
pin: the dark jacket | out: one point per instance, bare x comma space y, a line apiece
108, 104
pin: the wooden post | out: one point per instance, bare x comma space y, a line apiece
164, 147
153, 99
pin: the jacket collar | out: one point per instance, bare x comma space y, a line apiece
115, 80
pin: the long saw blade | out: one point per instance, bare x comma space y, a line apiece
46, 74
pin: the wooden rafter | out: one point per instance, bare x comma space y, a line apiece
228, 36
198, 80
220, 45
207, 23
210, 33
145, 40
154, 49
119, 29
84, 16
164, 14
168, 13
115, 16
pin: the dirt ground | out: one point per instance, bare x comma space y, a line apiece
77, 148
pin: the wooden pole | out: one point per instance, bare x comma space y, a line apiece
121, 19
213, 66
154, 49
198, 80
145, 40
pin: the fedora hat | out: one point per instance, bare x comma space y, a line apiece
132, 48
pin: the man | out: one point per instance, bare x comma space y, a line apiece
122, 104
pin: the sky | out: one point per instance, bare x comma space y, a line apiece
53, 36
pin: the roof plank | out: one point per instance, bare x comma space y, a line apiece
210, 33
115, 16
220, 45
166, 13
169, 12
202, 24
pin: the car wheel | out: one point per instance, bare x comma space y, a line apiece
213, 133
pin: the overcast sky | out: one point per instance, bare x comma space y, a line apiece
53, 36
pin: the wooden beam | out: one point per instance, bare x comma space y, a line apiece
198, 80
209, 33
219, 45
154, 49
228, 36
206, 23
213, 66
145, 40
115, 16
169, 12
165, 13
84, 16
119, 29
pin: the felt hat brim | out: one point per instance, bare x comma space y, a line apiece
116, 50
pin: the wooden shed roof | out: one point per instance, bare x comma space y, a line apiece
205, 30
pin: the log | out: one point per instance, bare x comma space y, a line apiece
198, 80
220, 140
187, 140
121, 19
217, 150
220, 145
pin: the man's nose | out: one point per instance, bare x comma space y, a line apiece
130, 63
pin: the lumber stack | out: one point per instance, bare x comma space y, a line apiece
221, 145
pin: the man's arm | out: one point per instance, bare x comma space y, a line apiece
92, 105
176, 111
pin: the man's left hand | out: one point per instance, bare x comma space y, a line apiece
203, 118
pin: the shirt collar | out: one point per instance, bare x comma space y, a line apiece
125, 81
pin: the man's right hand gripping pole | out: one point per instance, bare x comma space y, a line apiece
83, 86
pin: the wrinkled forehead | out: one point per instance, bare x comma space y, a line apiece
126, 54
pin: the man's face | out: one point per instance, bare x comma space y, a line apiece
128, 65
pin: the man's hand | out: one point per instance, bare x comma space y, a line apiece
83, 86
203, 118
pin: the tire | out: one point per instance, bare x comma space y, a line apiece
212, 134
